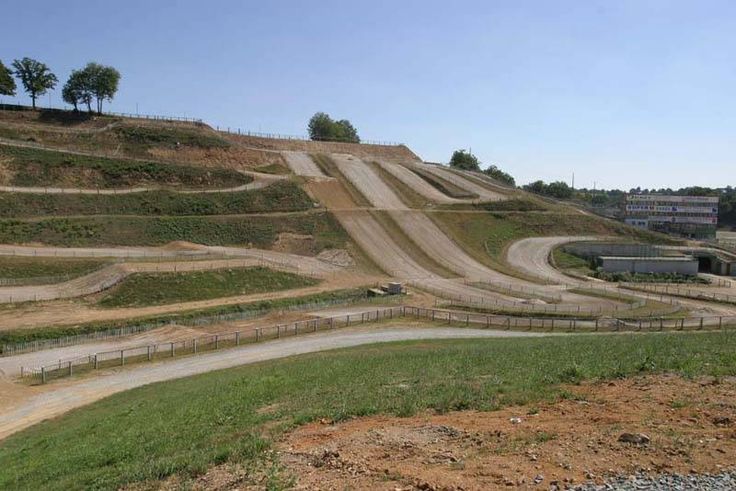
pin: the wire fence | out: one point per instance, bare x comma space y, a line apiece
303, 138
200, 344
212, 342
82, 114
12, 349
682, 292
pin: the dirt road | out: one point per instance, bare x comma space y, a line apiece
63, 397
259, 181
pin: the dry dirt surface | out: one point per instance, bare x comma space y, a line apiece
531, 256
302, 164
683, 427
468, 185
418, 184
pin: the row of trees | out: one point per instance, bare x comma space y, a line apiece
94, 82
557, 189
464, 160
323, 128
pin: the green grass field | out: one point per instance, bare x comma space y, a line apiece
35, 267
280, 196
44, 168
185, 426
143, 136
258, 231
144, 289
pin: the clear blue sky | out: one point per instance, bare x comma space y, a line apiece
622, 92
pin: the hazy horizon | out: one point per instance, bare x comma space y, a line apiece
626, 94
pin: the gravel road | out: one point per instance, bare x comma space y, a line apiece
67, 396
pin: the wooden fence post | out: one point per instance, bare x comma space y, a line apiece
43, 375
237, 338
173, 352
194, 344
96, 362
70, 369
148, 349
122, 357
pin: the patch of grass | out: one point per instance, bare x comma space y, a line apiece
347, 296
515, 204
407, 194
258, 231
33, 167
443, 186
280, 196
170, 136
184, 426
650, 278
144, 289
570, 262
34, 267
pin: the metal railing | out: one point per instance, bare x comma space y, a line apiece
304, 138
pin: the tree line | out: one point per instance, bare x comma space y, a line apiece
93, 83
322, 127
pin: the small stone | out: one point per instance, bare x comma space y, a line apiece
538, 479
515, 421
721, 421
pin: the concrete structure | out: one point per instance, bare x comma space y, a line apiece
686, 265
688, 216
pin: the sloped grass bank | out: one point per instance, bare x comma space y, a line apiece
144, 289
19, 267
280, 196
31, 167
258, 231
184, 426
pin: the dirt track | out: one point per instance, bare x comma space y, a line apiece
62, 397
302, 164
531, 256
468, 185
418, 184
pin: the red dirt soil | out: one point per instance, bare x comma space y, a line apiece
692, 426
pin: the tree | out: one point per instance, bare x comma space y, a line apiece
7, 84
35, 77
101, 81
464, 161
77, 90
500, 175
322, 128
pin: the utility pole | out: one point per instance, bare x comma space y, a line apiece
573, 180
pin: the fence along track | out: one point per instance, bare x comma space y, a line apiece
158, 351
118, 332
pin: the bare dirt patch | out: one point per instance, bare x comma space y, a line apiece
690, 427
304, 245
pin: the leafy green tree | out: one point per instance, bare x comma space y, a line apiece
464, 161
35, 77
101, 81
500, 175
7, 84
322, 128
77, 90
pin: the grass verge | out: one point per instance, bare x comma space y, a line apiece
18, 267
185, 426
280, 196
144, 289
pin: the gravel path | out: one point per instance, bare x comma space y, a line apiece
725, 481
65, 397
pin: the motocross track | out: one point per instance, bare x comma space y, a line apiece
436, 244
